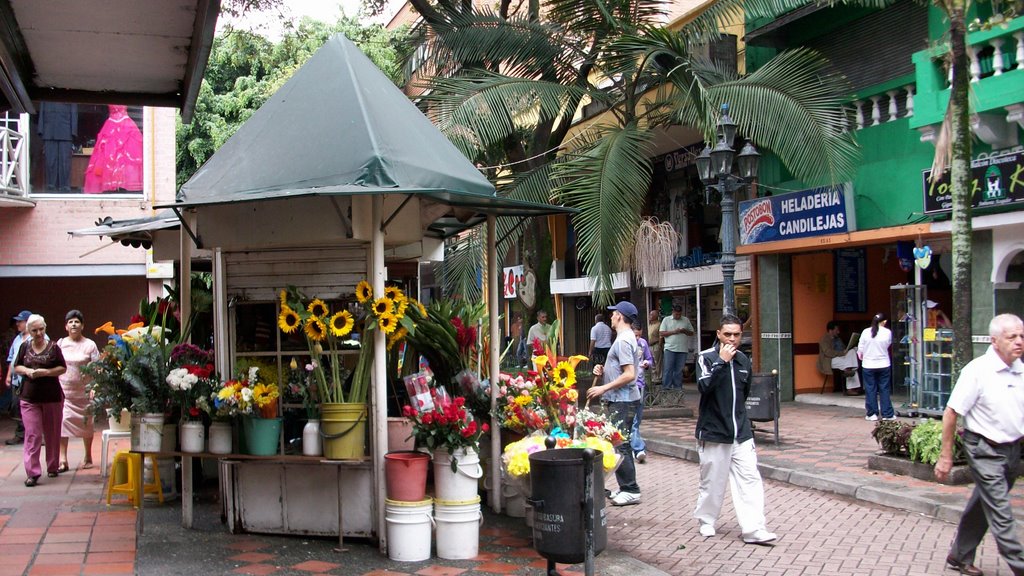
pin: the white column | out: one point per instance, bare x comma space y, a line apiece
185, 270
972, 52
1019, 36
997, 56
860, 113
221, 330
909, 88
378, 382
495, 368
876, 113
892, 105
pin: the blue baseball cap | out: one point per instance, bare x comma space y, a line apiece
23, 316
625, 308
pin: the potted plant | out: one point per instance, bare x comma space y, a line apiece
912, 449
256, 401
191, 379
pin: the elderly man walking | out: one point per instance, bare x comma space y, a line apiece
989, 395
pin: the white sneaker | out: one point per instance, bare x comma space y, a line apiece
707, 530
889, 419
759, 537
625, 499
641, 456
872, 418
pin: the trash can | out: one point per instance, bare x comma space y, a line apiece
763, 400
561, 513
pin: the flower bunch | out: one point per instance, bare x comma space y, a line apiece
247, 396
300, 386
192, 379
594, 425
516, 457
447, 424
556, 389
519, 408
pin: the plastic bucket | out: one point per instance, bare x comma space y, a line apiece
220, 438
193, 437
120, 422
462, 484
400, 434
262, 435
408, 529
147, 432
406, 475
343, 427
458, 528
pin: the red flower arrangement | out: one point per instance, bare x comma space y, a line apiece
447, 424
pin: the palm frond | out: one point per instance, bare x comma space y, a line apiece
491, 107
607, 180
793, 106
533, 186
463, 264
591, 18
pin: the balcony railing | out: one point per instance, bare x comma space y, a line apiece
883, 104
997, 77
14, 163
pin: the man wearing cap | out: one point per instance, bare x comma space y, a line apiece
619, 389
14, 380
675, 335
936, 317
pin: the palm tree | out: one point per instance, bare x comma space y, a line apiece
518, 81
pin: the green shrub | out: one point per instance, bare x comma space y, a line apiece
926, 443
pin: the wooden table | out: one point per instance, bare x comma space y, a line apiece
187, 496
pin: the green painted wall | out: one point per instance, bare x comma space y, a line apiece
775, 309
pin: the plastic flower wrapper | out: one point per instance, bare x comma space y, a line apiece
515, 459
477, 393
596, 424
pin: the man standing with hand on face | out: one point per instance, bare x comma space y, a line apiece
619, 389
725, 440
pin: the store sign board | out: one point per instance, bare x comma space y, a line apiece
512, 278
850, 280
995, 181
815, 212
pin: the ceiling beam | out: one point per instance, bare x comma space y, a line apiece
166, 99
203, 30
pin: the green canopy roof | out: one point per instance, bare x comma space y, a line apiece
339, 127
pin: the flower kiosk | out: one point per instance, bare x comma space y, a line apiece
334, 176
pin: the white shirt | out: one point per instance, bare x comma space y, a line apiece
990, 396
676, 342
874, 352
601, 334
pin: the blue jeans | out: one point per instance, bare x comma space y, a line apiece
672, 372
636, 442
622, 415
877, 390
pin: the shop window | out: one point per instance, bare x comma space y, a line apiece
86, 149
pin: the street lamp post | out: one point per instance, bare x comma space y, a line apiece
714, 166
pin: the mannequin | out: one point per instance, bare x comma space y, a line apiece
116, 161
58, 127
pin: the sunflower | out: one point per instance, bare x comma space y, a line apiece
565, 374
382, 306
401, 306
364, 292
387, 321
316, 330
283, 296
393, 292
288, 321
318, 308
422, 309
341, 323
397, 337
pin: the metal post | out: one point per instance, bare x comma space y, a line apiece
589, 455
727, 188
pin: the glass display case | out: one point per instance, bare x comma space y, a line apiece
906, 324
937, 381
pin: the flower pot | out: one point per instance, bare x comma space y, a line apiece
122, 422
462, 484
220, 438
262, 435
147, 432
312, 444
193, 437
343, 428
405, 473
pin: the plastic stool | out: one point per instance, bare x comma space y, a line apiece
107, 435
133, 462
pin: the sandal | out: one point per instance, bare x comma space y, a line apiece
30, 482
51, 474
63, 467
86, 465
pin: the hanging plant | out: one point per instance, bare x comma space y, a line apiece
654, 249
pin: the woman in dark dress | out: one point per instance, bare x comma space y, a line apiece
40, 362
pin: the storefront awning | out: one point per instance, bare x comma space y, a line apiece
847, 240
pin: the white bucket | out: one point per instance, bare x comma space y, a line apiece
220, 438
458, 528
193, 437
148, 432
461, 485
408, 529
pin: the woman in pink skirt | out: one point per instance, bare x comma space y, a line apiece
78, 351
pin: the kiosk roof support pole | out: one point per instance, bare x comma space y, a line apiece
378, 381
185, 277
495, 369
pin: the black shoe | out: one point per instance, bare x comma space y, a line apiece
14, 441
963, 567
30, 482
51, 474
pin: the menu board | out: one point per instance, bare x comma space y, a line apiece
851, 280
